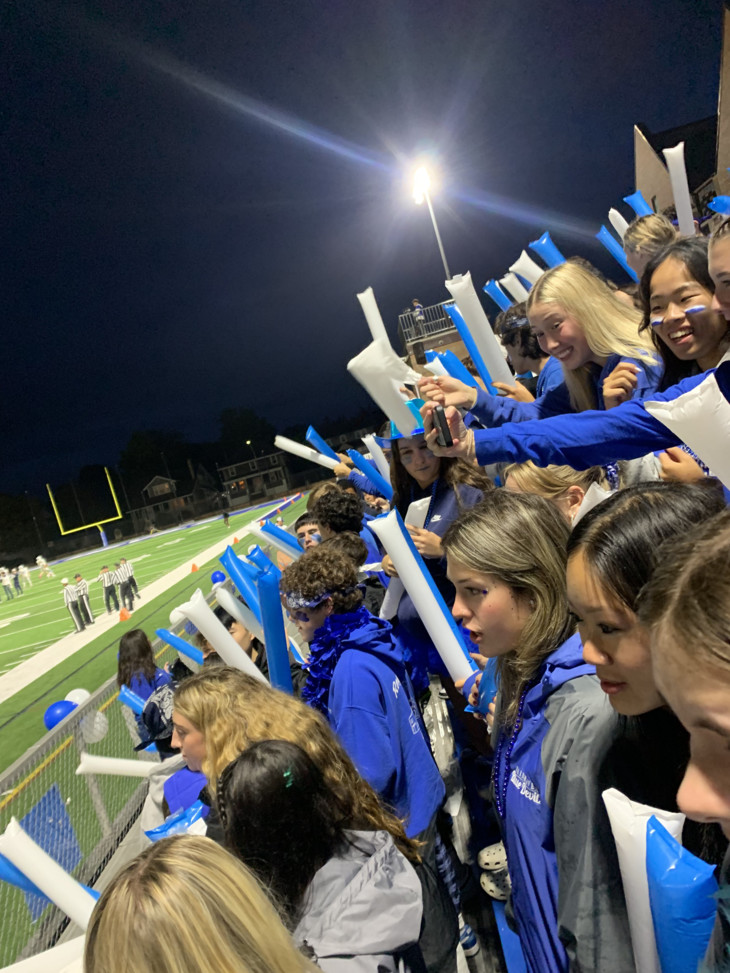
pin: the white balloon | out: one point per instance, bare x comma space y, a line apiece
78, 696
94, 727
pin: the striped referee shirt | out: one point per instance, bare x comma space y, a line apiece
70, 593
123, 572
107, 579
82, 588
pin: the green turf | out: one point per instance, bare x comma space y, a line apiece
21, 716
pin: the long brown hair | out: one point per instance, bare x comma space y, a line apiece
135, 657
521, 539
233, 711
452, 470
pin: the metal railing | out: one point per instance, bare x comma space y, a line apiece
80, 821
417, 326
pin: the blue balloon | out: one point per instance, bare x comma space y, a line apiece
682, 890
497, 294
616, 251
546, 249
720, 204
638, 204
217, 577
58, 711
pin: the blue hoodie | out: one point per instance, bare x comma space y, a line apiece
584, 439
492, 410
562, 711
370, 707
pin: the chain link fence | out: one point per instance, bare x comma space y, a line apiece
79, 820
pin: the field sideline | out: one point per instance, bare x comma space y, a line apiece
32, 624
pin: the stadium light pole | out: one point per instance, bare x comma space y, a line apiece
421, 186
248, 443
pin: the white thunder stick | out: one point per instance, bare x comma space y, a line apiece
526, 267
617, 222
306, 452
441, 629
680, 189
515, 288
92, 763
462, 290
372, 315
201, 615
378, 456
236, 609
45, 873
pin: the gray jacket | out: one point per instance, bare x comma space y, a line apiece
363, 908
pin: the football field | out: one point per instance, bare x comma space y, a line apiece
42, 658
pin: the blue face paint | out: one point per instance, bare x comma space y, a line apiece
658, 322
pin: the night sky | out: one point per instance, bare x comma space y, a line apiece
194, 190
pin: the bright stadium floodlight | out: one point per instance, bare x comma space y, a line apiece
421, 186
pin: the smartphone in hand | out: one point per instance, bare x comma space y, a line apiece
443, 437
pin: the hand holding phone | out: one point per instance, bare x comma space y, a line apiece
443, 437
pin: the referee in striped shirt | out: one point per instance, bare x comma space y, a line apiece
132, 580
82, 589
71, 599
122, 573
108, 580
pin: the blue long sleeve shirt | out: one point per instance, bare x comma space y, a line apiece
492, 411
584, 439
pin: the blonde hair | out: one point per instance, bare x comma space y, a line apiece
686, 602
233, 711
187, 906
521, 539
552, 482
610, 326
649, 234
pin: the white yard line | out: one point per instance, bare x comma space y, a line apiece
27, 672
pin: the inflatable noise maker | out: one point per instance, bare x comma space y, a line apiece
272, 616
499, 297
305, 452
680, 189
514, 286
314, 439
243, 576
618, 222
471, 346
447, 363
371, 471
182, 647
236, 609
65, 958
373, 447
92, 763
282, 540
372, 315
440, 625
629, 826
720, 204
638, 204
547, 251
477, 322
526, 267
701, 419
381, 373
265, 598
616, 251
199, 612
47, 875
